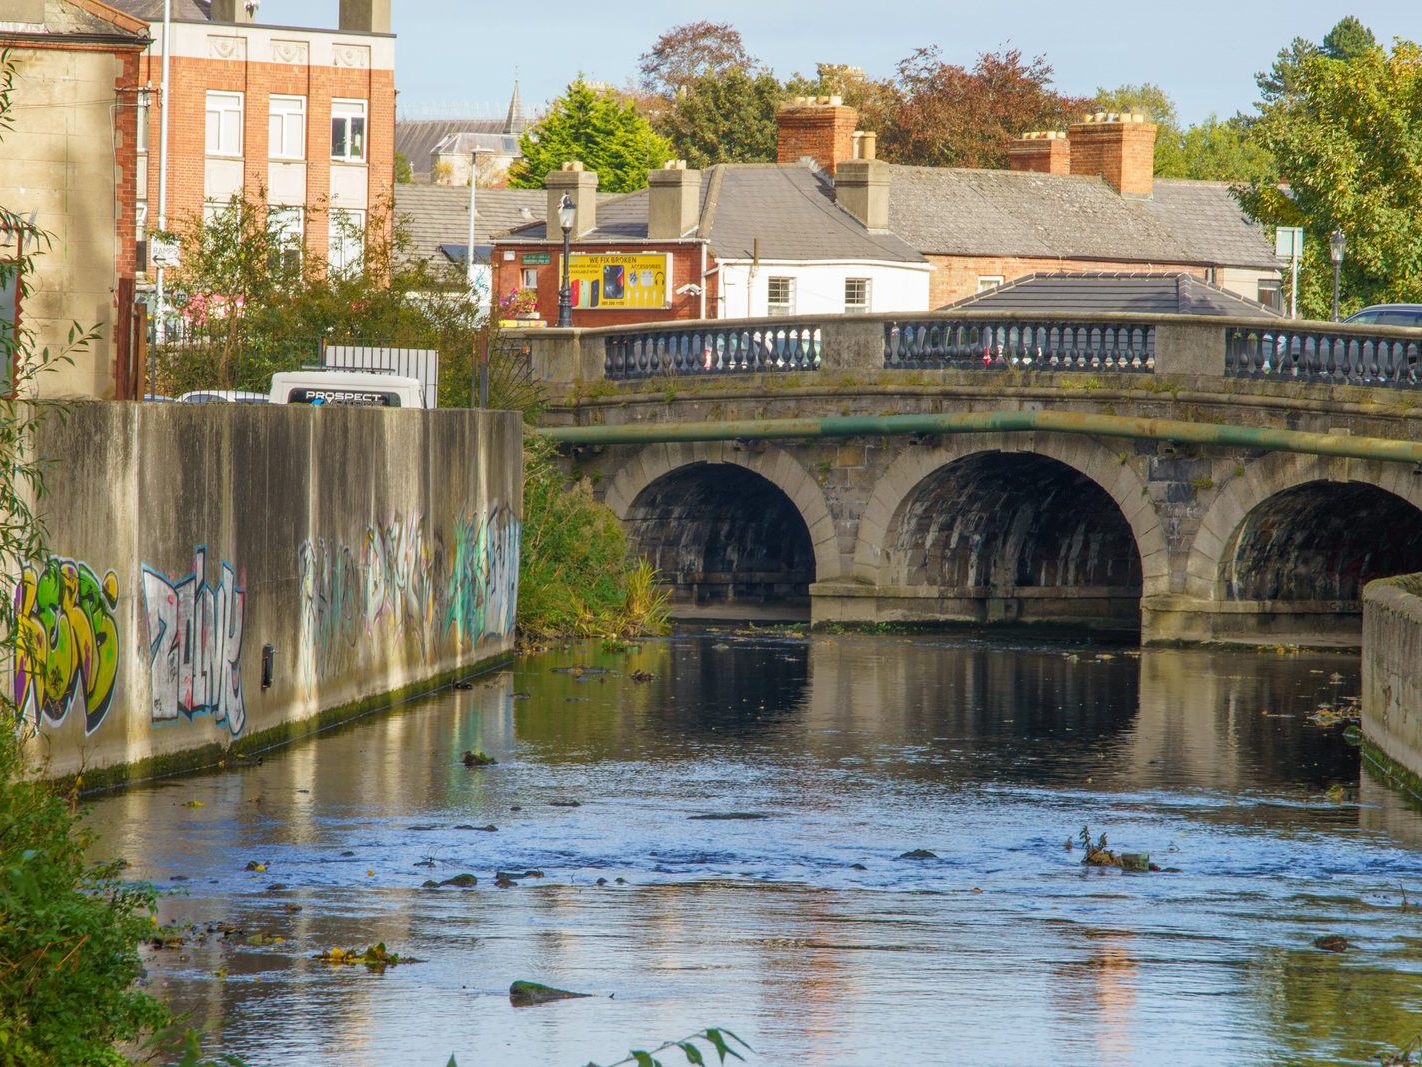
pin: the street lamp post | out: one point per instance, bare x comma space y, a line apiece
1336, 244
565, 293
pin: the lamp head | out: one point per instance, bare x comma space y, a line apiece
1336, 244
566, 211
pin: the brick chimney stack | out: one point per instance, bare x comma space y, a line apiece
1042, 152
1117, 147
821, 128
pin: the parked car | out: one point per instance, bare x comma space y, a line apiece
222, 396
1388, 315
349, 387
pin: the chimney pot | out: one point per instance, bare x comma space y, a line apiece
1119, 148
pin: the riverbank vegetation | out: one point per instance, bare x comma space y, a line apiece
576, 575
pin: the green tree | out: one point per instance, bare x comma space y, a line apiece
1345, 134
1214, 150
1349, 39
595, 126
726, 118
404, 173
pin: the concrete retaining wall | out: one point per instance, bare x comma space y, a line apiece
1392, 671
370, 550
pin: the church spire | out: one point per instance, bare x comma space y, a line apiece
515, 122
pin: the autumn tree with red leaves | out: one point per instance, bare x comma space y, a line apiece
946, 115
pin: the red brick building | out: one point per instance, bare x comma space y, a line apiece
302, 118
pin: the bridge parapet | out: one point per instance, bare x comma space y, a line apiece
1164, 346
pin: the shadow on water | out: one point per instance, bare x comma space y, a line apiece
805, 929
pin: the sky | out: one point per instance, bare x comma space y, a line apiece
459, 59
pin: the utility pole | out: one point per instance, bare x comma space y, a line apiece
165, 96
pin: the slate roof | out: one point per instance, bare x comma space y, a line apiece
1138, 292
152, 10
62, 18
790, 209
439, 214
957, 211
415, 139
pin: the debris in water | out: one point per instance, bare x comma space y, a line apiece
194, 804
566, 803
641, 676
527, 994
730, 815
478, 758
254, 865
375, 957
1332, 943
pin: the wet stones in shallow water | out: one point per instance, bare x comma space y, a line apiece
255, 865
505, 883
347, 852
565, 803
1332, 943
461, 881
424, 826
489, 829
518, 874
729, 815
478, 759
602, 881
1136, 862
277, 887
526, 994
919, 854
858, 867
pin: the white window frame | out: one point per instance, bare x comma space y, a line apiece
989, 281
858, 307
286, 124
780, 309
140, 130
528, 276
351, 145
346, 248
288, 223
224, 117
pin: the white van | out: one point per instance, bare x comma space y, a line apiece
358, 388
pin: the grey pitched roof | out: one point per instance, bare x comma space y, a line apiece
1209, 221
439, 214
956, 211
62, 18
789, 209
1128, 291
415, 139
152, 10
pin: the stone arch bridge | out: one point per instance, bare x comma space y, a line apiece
1196, 479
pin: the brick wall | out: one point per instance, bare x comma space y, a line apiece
686, 267
1041, 154
258, 82
956, 277
1123, 153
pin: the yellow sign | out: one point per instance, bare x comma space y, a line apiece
619, 281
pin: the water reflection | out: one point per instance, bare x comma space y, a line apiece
804, 929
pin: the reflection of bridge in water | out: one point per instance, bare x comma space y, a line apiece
1198, 478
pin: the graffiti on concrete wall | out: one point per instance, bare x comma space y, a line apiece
194, 644
68, 648
398, 582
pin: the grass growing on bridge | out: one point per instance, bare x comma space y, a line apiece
576, 575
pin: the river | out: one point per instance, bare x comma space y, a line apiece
804, 929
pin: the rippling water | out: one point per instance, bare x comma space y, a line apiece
803, 929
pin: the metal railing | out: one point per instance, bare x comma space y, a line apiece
935, 344
702, 350
1320, 355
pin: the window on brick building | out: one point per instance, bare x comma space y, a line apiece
288, 224
348, 130
780, 296
141, 126
287, 138
856, 296
988, 281
347, 246
224, 124
530, 277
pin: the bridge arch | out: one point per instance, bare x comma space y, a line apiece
1307, 529
1000, 516
757, 512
